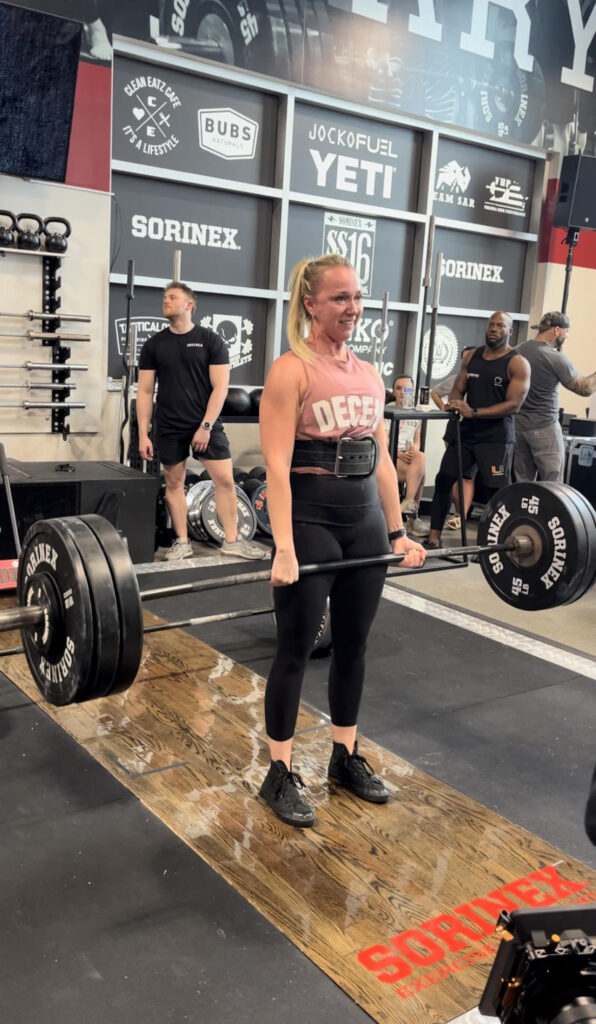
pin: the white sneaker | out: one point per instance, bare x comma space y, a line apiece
241, 548
417, 528
409, 507
180, 549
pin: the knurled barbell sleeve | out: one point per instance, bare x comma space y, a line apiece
47, 336
83, 318
44, 366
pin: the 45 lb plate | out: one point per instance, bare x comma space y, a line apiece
563, 540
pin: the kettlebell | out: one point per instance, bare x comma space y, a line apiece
27, 238
6, 232
56, 242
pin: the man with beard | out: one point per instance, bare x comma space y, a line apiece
494, 380
539, 445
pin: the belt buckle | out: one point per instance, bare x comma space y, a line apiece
337, 468
338, 457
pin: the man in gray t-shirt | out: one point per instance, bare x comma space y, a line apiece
539, 448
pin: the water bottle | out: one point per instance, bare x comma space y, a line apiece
408, 398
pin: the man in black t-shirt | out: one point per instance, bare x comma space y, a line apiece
191, 365
495, 382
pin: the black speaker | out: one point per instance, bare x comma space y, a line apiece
576, 199
581, 428
43, 490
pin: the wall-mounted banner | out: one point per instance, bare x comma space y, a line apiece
483, 186
380, 250
241, 322
346, 157
454, 333
224, 237
480, 272
185, 122
512, 69
385, 349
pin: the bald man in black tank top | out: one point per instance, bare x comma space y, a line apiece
495, 382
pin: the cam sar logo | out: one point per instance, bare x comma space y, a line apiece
227, 133
452, 181
237, 334
149, 128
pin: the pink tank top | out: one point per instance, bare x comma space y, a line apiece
342, 399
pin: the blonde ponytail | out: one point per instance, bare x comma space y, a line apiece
303, 281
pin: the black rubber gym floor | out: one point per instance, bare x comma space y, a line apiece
107, 916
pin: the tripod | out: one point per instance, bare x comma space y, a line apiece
571, 239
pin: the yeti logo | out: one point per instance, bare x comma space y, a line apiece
227, 134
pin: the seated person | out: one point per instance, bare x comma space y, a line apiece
411, 463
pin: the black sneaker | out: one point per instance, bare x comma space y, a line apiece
354, 772
280, 790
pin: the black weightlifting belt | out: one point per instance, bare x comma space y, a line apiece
346, 457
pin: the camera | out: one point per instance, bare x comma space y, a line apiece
545, 968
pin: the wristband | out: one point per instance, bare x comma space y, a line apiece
474, 412
398, 534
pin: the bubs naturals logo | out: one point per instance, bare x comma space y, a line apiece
227, 133
150, 127
237, 334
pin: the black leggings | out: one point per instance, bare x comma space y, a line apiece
493, 460
354, 598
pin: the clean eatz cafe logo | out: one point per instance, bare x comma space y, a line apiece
153, 102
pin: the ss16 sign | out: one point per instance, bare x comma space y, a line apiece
353, 238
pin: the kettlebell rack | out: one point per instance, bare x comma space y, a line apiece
51, 326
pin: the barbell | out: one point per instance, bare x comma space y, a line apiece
47, 336
80, 607
32, 315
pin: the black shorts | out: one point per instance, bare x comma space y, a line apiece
175, 448
491, 459
450, 438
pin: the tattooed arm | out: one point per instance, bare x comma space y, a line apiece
583, 385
